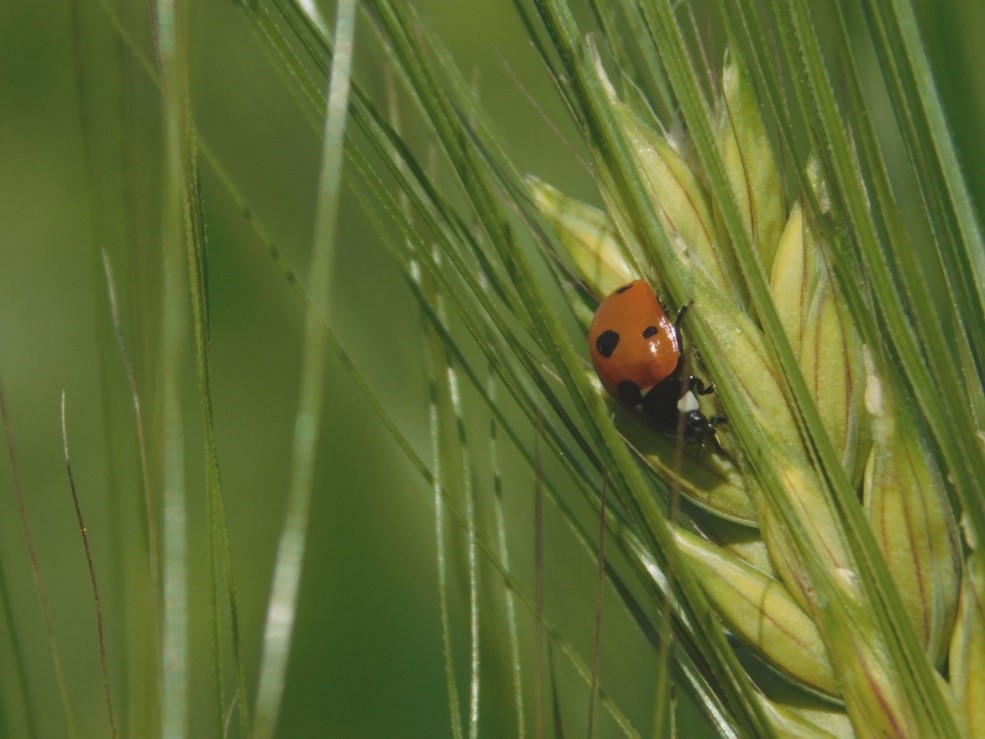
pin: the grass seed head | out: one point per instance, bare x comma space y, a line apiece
822, 636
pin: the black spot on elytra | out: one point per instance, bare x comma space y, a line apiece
606, 343
629, 393
649, 331
624, 288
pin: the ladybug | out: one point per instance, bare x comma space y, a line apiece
637, 353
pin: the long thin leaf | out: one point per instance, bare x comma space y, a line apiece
287, 573
501, 540
220, 556
32, 552
30, 723
151, 536
100, 627
97, 211
172, 53
441, 549
923, 99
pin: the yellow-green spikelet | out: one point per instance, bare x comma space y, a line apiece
759, 578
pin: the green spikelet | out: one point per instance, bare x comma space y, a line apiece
749, 164
809, 620
761, 611
967, 653
819, 327
909, 513
589, 237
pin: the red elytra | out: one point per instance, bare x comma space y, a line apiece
633, 340
636, 350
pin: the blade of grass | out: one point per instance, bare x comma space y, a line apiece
218, 533
448, 429
473, 559
460, 452
149, 519
922, 97
599, 593
556, 714
100, 629
32, 552
514, 640
283, 598
175, 62
30, 723
434, 425
135, 236
932, 192
97, 235
436, 361
174, 647
171, 46
220, 554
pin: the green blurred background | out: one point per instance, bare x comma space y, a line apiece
367, 657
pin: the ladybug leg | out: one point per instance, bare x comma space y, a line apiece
701, 430
713, 424
679, 320
681, 313
697, 385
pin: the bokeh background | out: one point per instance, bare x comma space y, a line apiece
80, 137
